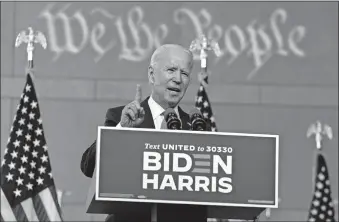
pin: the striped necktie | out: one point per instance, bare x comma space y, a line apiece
163, 123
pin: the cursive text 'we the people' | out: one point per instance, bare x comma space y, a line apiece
132, 39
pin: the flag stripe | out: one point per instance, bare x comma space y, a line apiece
6, 210
202, 163
51, 208
199, 170
56, 199
20, 213
29, 210
40, 209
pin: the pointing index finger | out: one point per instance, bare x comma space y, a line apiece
138, 94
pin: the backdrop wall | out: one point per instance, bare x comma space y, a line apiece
278, 74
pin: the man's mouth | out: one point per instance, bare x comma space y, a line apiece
173, 89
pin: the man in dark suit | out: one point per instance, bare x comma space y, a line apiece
113, 117
169, 75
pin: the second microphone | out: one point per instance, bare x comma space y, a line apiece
196, 120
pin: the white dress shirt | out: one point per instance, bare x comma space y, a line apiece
156, 111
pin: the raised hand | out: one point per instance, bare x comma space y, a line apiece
133, 114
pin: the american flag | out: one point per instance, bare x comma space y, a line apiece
203, 104
322, 204
27, 188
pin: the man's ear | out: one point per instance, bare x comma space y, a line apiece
151, 74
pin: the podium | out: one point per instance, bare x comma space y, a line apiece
147, 175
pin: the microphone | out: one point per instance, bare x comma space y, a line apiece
172, 120
197, 121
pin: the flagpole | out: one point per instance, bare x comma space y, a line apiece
314, 168
202, 45
39, 182
319, 131
322, 204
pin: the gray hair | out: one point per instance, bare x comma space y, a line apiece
162, 48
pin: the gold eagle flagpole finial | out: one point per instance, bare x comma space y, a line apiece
319, 131
202, 45
30, 39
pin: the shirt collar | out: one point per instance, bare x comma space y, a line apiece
157, 110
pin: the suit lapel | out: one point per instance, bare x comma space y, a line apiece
148, 121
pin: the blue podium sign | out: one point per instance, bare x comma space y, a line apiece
187, 167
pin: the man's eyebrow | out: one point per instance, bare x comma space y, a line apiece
171, 65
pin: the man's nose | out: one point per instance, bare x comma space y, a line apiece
177, 77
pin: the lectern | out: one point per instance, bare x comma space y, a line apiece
168, 175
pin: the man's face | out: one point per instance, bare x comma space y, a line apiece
170, 77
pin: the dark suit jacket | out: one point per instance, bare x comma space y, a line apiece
112, 119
